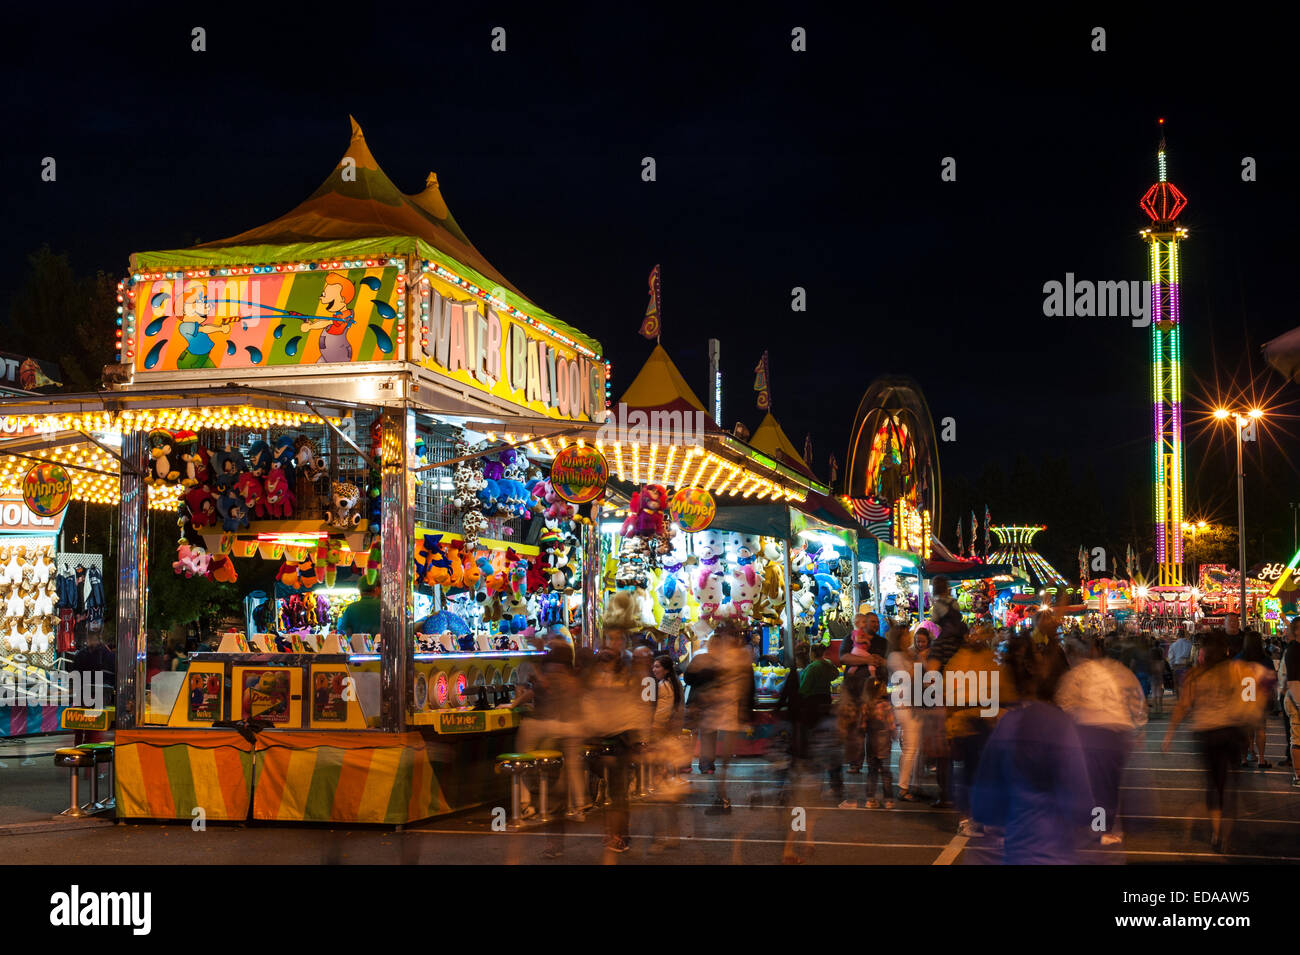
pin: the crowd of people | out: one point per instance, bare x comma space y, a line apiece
1026, 734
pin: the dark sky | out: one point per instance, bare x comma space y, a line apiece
775, 169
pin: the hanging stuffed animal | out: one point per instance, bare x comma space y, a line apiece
646, 516
308, 460
234, 514
186, 444
15, 639
203, 507
190, 561
673, 595
746, 588
43, 569
259, 458
11, 570
250, 488
223, 568
709, 548
280, 498
282, 456
40, 638
344, 510
227, 465
162, 449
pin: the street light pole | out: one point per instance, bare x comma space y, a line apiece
1241, 524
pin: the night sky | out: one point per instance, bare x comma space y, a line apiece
775, 169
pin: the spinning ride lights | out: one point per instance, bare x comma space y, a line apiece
1015, 546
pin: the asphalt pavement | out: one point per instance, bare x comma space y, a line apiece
1162, 816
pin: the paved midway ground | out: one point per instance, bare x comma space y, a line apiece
1163, 817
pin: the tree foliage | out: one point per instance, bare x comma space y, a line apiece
60, 316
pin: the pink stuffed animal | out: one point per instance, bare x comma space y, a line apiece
279, 497
191, 561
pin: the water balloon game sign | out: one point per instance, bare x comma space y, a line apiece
316, 316
578, 474
47, 488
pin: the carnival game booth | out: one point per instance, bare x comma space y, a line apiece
33, 696
355, 325
660, 505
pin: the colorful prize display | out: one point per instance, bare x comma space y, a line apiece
579, 473
693, 509
47, 488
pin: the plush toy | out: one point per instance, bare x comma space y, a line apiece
40, 638
227, 465
343, 510
279, 492
15, 639
250, 488
646, 517
562, 569
471, 572
432, 565
191, 561
283, 457
828, 588
162, 449
202, 504
43, 605
672, 594
259, 458
185, 448
374, 559
746, 589
308, 460
43, 569
622, 611
234, 514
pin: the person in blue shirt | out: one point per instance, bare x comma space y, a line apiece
1033, 780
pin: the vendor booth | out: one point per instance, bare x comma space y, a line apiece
297, 395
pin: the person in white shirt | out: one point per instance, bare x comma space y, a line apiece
1107, 704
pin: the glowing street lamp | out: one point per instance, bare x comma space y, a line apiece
1241, 420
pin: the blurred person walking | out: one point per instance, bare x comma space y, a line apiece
1108, 707
1252, 651
973, 670
726, 676
821, 732
1180, 657
666, 740
1033, 780
613, 712
1289, 686
1216, 705
910, 724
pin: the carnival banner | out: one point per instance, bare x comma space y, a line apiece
316, 316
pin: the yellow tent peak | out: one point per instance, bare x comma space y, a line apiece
357, 148
771, 439
660, 386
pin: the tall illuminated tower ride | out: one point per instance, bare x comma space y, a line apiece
1163, 202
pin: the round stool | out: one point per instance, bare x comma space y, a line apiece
641, 756
75, 760
515, 765
103, 754
548, 761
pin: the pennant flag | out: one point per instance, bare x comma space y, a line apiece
876, 517
959, 537
974, 531
650, 324
834, 468
986, 532
1083, 565
761, 384
807, 449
